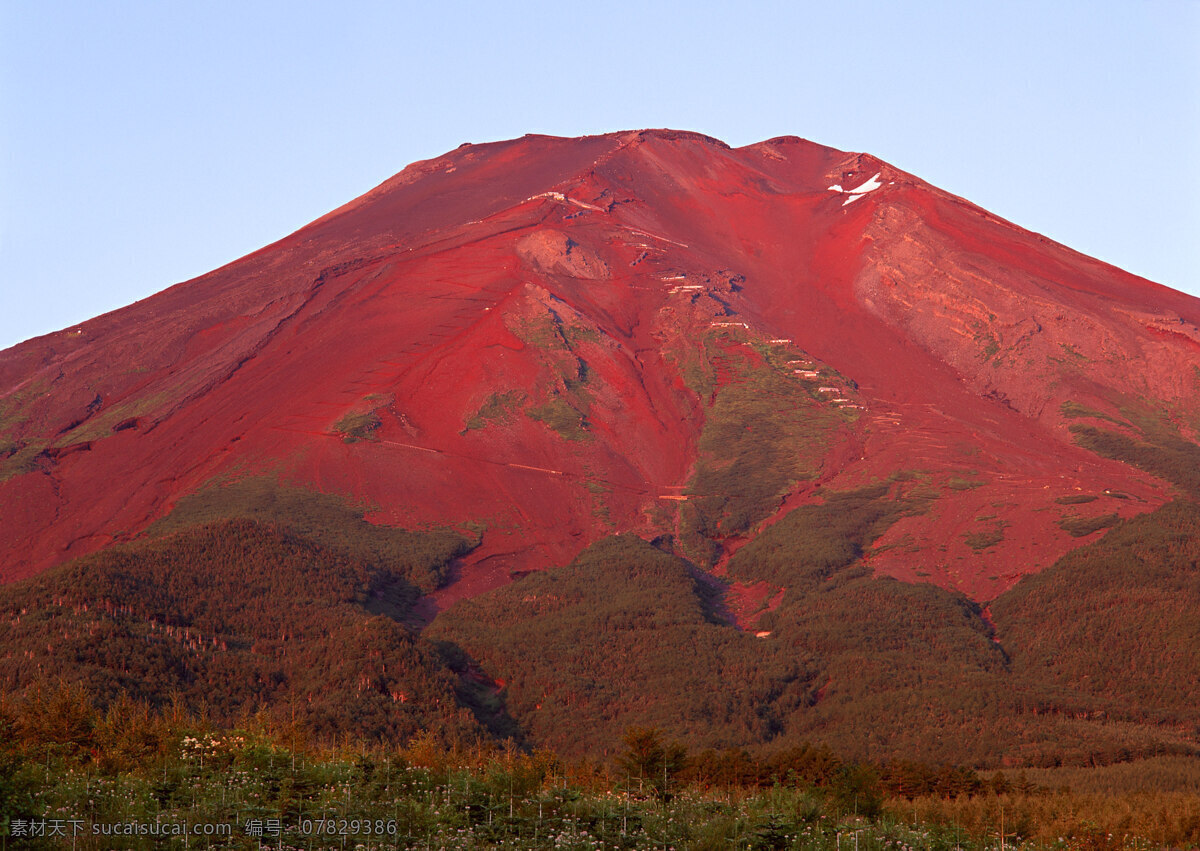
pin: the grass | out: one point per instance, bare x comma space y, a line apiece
101, 425
1070, 351
543, 331
498, 409
764, 432
599, 506
987, 538
559, 415
1076, 499
18, 454
1074, 410
14, 408
22, 459
1080, 527
354, 427
956, 483
549, 331
1161, 454
564, 408
259, 786
363, 423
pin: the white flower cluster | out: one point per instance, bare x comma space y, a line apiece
209, 745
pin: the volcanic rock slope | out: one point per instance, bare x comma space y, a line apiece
550, 340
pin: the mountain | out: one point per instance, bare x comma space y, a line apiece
798, 372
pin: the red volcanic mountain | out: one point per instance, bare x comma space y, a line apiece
729, 395
550, 340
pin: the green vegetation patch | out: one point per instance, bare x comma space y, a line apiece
498, 409
364, 422
813, 542
566, 404
1072, 355
420, 558
1080, 527
1074, 410
598, 490
542, 331
15, 407
19, 454
956, 483
575, 334
763, 433
19, 458
561, 416
354, 427
704, 359
1076, 499
550, 332
985, 539
1162, 454
699, 362
101, 424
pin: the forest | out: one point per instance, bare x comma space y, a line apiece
279, 615
290, 606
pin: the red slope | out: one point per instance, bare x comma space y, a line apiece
433, 293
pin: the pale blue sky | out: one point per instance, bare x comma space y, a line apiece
145, 143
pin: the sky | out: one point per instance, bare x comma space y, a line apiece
146, 143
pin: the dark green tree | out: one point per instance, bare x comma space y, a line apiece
858, 790
650, 763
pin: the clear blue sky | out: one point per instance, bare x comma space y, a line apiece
145, 143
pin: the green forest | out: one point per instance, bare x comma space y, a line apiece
290, 606
874, 668
263, 613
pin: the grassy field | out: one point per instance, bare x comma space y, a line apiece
71, 776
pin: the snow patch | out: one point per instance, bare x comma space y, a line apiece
869, 185
558, 196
